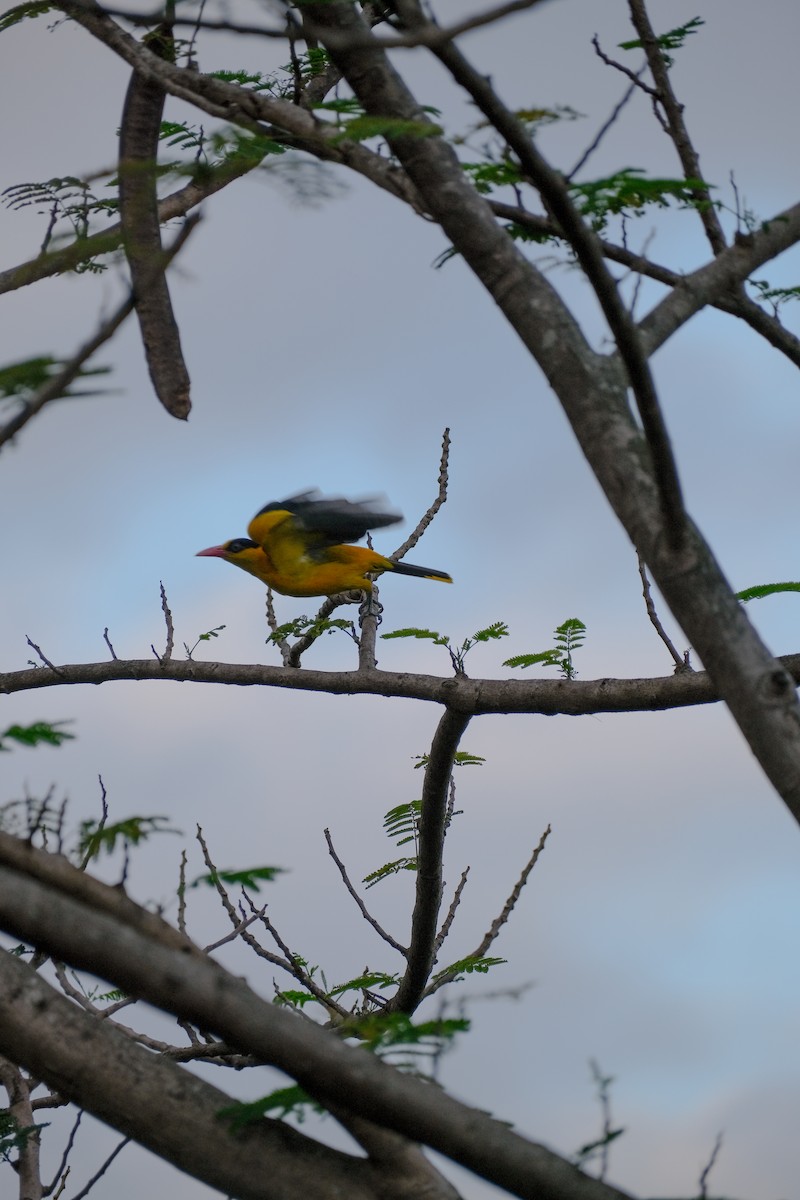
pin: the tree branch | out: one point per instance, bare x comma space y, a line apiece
761, 696
722, 276
43, 902
264, 115
478, 697
676, 125
431, 833
733, 300
161, 1105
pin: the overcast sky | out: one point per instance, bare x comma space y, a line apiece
660, 927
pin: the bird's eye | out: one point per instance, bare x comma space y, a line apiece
240, 544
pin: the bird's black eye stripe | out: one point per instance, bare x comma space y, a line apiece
239, 544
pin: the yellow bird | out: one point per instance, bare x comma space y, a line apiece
299, 547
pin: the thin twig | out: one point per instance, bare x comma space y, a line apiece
704, 1174
55, 387
604, 128
107, 641
293, 960
451, 912
430, 37
170, 627
272, 622
181, 920
234, 933
681, 661
99, 1174
43, 656
673, 111
387, 937
62, 1169
441, 497
494, 929
634, 76
369, 618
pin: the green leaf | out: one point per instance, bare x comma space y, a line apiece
311, 627
461, 758
21, 380
381, 1031
548, 658
591, 1148
392, 868
438, 639
498, 630
36, 734
372, 979
251, 878
672, 40
402, 820
361, 128
20, 12
629, 192
775, 295
254, 80
294, 999
289, 1101
468, 966
766, 589
487, 176
15, 1137
95, 837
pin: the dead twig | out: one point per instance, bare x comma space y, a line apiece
381, 932
681, 661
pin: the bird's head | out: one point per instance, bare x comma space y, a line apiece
242, 552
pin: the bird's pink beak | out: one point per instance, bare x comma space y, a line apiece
211, 552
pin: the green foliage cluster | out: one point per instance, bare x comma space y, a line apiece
34, 8
20, 381
776, 296
309, 627
13, 1136
568, 637
98, 837
457, 653
250, 878
760, 590
40, 733
673, 39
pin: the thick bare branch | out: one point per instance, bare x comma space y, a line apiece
159, 1104
43, 902
555, 195
430, 36
723, 276
727, 298
27, 1165
478, 697
432, 828
760, 694
81, 250
256, 111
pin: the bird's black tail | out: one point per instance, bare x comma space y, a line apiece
404, 568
